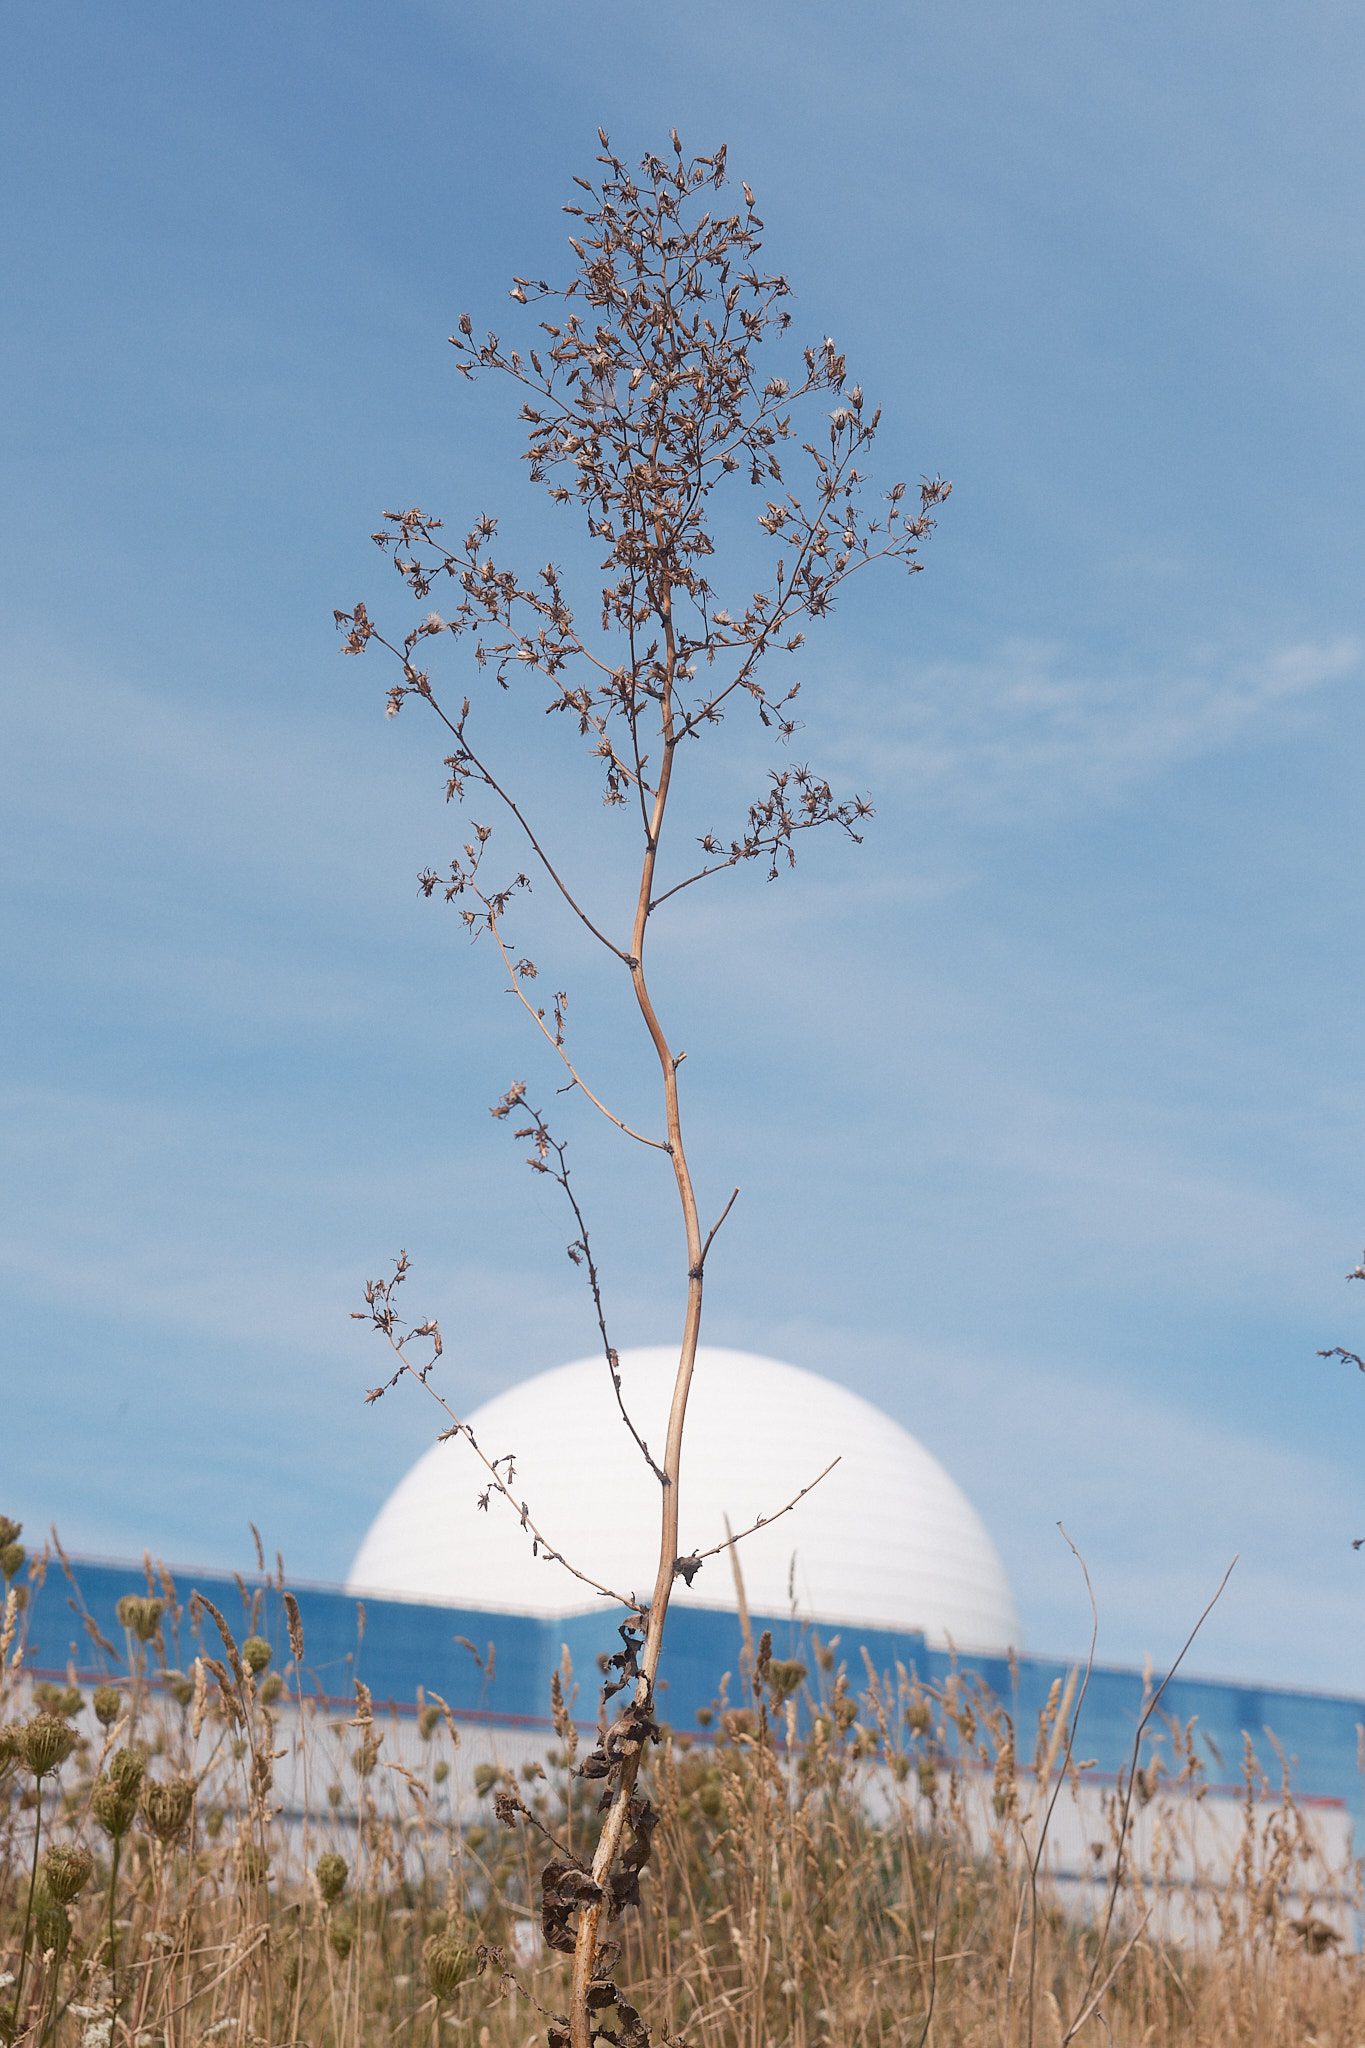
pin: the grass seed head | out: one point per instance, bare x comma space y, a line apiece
256, 1654
295, 1621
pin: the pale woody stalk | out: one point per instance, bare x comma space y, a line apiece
650, 399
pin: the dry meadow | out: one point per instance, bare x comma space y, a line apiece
200, 1848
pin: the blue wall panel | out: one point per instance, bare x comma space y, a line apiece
406, 1644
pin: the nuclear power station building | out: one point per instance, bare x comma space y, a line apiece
884, 1565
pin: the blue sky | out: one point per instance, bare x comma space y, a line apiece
1046, 1102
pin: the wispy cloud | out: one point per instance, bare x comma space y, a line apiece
1158, 1497
1031, 729
118, 784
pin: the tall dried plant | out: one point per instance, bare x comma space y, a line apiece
642, 397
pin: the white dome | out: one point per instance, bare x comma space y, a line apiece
887, 1539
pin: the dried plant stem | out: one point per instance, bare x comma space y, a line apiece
49, 2024
1127, 1807
113, 1931
28, 1906
1071, 1721
585, 1950
144, 1988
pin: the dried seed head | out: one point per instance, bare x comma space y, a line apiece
114, 1799
48, 1742
256, 1653
106, 1703
253, 1862
181, 1688
11, 1559
127, 1768
166, 1806
785, 1676
448, 1963
113, 1809
330, 1875
10, 1531
140, 1615
428, 1721
67, 1872
341, 1938
271, 1688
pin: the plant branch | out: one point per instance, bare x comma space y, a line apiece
687, 1567
556, 1042
1128, 1803
1036, 1859
715, 1227
580, 1251
381, 1317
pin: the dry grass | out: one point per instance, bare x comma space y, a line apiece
833, 1863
